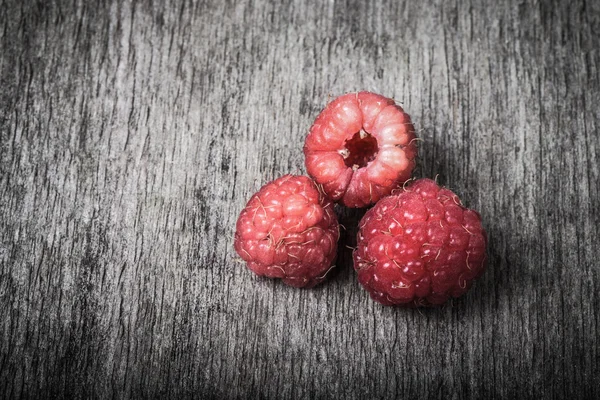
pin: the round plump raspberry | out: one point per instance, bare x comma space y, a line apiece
419, 247
288, 230
360, 148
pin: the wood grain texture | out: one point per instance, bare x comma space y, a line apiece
133, 133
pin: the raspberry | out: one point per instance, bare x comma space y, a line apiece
288, 230
420, 246
360, 148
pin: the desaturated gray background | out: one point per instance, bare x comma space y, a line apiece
133, 133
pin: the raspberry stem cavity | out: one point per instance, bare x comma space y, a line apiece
359, 150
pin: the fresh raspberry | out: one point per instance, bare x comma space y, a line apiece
288, 230
360, 148
420, 246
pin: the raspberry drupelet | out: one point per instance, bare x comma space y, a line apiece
419, 247
360, 148
288, 230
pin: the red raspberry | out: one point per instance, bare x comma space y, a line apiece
288, 230
360, 148
420, 246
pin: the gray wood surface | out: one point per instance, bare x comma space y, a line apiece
133, 133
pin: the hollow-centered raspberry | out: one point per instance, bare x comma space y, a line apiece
360, 148
420, 246
288, 230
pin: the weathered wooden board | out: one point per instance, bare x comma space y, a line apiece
133, 132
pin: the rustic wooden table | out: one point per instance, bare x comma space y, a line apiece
133, 133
